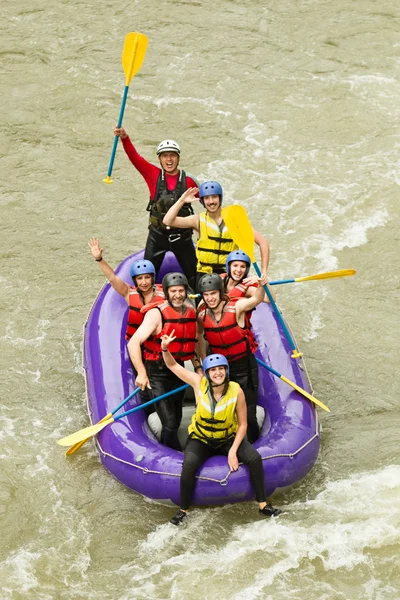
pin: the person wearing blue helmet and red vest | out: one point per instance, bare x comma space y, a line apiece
175, 313
237, 283
214, 243
218, 427
225, 324
166, 184
143, 292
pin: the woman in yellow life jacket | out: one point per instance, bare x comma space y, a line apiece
218, 427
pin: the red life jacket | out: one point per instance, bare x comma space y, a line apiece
185, 331
135, 318
240, 289
227, 337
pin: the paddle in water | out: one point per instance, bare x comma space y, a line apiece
92, 430
132, 59
238, 224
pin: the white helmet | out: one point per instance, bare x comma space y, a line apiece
168, 145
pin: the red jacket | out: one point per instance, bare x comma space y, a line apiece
227, 337
135, 317
185, 331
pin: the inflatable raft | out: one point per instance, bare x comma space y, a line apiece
289, 440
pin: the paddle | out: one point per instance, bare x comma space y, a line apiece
293, 385
92, 430
329, 275
238, 224
135, 46
76, 447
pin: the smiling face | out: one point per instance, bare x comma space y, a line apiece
212, 298
237, 270
176, 295
144, 282
212, 203
169, 161
217, 375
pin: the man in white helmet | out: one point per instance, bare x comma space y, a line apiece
166, 185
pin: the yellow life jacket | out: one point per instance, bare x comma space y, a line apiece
215, 422
213, 245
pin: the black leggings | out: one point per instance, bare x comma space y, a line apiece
158, 243
245, 372
163, 380
197, 452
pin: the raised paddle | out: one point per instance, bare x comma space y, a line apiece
92, 430
135, 46
76, 447
238, 224
328, 275
293, 385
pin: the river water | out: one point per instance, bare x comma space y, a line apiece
293, 106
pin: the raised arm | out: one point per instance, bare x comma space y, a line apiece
187, 376
264, 250
171, 219
151, 324
119, 286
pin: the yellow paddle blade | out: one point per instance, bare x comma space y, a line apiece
306, 394
76, 447
84, 434
238, 224
135, 47
329, 275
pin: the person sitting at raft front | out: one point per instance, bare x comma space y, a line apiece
214, 243
175, 313
236, 282
144, 292
218, 427
166, 184
225, 324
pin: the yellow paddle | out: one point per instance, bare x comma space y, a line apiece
293, 385
328, 275
88, 432
135, 47
238, 224
78, 445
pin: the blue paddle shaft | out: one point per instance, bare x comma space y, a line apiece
282, 281
263, 364
132, 410
276, 309
125, 401
121, 116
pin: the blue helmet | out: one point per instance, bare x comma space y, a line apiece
210, 188
215, 360
141, 267
238, 255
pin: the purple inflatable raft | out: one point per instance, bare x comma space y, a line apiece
289, 440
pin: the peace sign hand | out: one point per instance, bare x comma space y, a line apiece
166, 340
